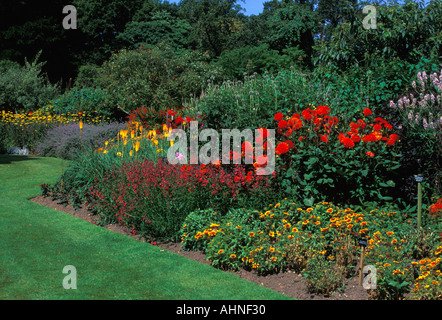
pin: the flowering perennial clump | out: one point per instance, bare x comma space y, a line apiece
288, 236
318, 155
320, 126
153, 198
422, 107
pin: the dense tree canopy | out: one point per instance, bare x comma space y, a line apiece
302, 33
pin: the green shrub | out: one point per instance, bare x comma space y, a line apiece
85, 100
256, 59
158, 78
24, 87
86, 77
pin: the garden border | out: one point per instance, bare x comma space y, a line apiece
288, 283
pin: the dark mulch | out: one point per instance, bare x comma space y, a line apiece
288, 283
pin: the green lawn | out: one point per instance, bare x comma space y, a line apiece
37, 242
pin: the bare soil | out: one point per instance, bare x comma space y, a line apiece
288, 283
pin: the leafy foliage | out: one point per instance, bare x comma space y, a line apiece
84, 100
24, 87
162, 26
157, 77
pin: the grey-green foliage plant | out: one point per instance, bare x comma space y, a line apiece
25, 87
67, 141
252, 103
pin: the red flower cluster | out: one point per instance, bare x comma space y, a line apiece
436, 209
376, 135
318, 119
319, 122
282, 148
346, 141
141, 191
150, 117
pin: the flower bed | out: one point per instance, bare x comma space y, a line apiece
337, 177
321, 242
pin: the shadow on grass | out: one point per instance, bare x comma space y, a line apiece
10, 158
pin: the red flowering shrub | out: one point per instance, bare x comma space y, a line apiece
152, 119
323, 158
154, 198
436, 209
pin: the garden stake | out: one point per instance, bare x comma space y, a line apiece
419, 180
419, 205
362, 245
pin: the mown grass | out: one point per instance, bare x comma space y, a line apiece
37, 242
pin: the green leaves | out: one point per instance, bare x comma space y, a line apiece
24, 87
159, 77
388, 184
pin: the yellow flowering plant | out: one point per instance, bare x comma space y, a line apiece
321, 242
199, 228
388, 252
428, 284
229, 249
26, 128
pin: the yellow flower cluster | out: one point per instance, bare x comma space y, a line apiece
208, 233
348, 222
429, 276
287, 235
136, 137
47, 116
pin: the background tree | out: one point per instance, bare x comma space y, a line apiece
99, 23
159, 26
213, 23
27, 27
293, 26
